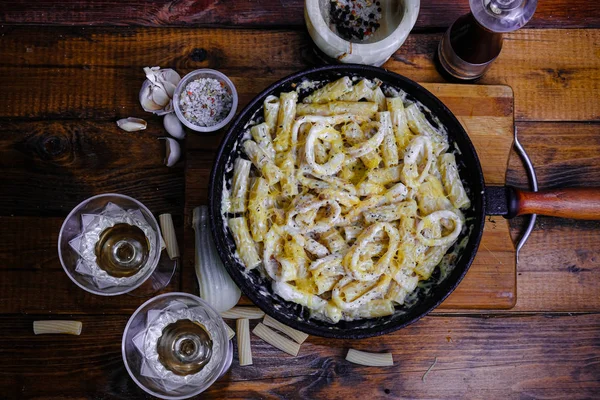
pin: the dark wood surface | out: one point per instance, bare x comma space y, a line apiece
65, 85
434, 14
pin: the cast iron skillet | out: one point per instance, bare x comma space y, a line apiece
502, 201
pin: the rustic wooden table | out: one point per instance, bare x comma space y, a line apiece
68, 71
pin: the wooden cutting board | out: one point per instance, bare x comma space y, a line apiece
486, 112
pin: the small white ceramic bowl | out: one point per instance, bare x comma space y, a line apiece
398, 19
205, 73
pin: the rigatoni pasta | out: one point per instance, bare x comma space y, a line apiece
330, 92
262, 136
285, 119
352, 200
244, 242
299, 337
57, 326
230, 332
243, 342
241, 177
365, 109
276, 340
370, 359
271, 111
243, 313
258, 202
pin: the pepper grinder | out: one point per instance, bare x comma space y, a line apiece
473, 42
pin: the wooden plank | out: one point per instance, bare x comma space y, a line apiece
543, 77
36, 192
262, 14
51, 292
559, 267
548, 14
31, 92
63, 163
563, 154
26, 249
54, 146
550, 82
135, 48
474, 360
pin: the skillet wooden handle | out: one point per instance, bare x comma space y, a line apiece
578, 203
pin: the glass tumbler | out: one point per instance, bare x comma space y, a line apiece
194, 354
155, 267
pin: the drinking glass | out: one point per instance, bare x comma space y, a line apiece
151, 324
157, 268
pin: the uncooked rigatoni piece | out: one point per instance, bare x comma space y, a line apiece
370, 359
68, 327
168, 232
298, 336
276, 340
230, 332
243, 312
243, 342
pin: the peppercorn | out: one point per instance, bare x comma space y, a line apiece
355, 19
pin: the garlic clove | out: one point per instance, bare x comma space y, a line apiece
173, 126
170, 75
169, 88
159, 95
132, 124
166, 109
169, 78
173, 151
146, 98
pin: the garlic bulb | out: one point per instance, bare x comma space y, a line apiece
132, 124
173, 126
158, 89
173, 151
